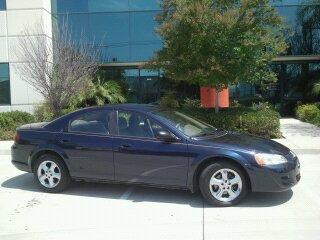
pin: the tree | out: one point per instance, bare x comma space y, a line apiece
57, 67
219, 42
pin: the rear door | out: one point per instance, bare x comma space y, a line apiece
88, 144
140, 157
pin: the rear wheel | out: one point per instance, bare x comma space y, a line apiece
51, 173
223, 184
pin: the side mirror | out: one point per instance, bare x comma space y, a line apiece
165, 136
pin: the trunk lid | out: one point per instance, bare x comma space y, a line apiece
33, 126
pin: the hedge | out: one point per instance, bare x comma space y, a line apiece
263, 122
309, 113
9, 121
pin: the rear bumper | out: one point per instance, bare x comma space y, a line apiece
22, 166
19, 158
275, 179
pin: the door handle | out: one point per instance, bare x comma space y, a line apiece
125, 147
79, 147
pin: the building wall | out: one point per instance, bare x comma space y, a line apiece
18, 15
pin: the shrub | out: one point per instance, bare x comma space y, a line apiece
169, 100
42, 113
6, 134
191, 103
309, 113
9, 121
262, 122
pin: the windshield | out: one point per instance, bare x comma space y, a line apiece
186, 124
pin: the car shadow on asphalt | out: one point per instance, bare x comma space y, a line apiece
27, 182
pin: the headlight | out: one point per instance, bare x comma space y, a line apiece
266, 159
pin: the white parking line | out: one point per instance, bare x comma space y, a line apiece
127, 193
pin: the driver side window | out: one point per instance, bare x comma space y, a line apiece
137, 125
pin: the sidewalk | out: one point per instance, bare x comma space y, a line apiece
300, 136
5, 147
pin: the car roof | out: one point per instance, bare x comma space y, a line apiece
55, 125
131, 106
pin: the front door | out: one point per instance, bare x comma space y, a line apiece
88, 145
140, 158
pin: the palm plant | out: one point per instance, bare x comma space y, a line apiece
99, 93
316, 88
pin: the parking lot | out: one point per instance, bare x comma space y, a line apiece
106, 211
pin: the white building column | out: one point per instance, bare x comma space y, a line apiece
21, 14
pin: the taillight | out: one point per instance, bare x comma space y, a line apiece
17, 137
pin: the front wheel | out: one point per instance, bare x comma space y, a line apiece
223, 184
51, 173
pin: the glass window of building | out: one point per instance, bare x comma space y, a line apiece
115, 53
109, 28
143, 5
144, 51
304, 26
69, 6
4, 84
2, 5
143, 25
77, 25
285, 2
108, 5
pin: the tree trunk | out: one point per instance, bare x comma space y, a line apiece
216, 102
55, 109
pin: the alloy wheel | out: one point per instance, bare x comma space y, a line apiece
49, 174
225, 185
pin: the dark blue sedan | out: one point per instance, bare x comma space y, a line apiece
146, 144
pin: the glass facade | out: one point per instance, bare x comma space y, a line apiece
2, 5
296, 76
295, 84
303, 21
124, 31
141, 85
4, 84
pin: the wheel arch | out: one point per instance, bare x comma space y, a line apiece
210, 160
42, 152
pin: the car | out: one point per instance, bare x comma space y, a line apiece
150, 145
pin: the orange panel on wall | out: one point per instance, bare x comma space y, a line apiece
208, 94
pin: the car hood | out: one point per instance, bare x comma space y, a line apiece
242, 142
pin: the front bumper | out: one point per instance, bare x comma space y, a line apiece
275, 179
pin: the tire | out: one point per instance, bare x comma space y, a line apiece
57, 177
212, 193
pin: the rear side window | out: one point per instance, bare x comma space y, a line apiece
97, 122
